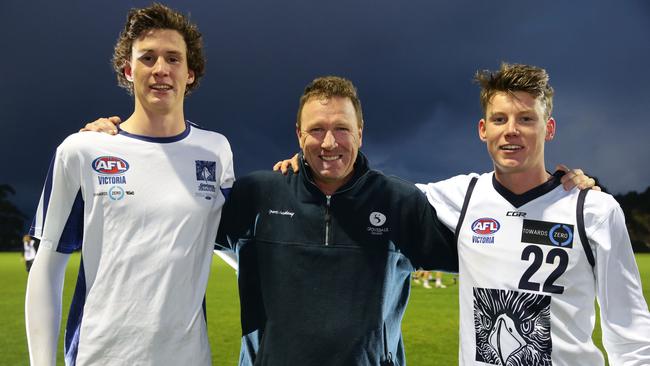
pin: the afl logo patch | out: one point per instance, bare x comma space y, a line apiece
485, 226
110, 165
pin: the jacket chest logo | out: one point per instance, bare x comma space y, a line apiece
377, 220
282, 213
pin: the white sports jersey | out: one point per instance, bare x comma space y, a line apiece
145, 212
527, 287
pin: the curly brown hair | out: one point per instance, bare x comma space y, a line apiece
158, 16
326, 87
511, 78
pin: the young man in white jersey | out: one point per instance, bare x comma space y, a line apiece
534, 257
142, 207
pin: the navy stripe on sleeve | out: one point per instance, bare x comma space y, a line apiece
225, 192
72, 235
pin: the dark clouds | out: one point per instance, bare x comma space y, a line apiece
413, 63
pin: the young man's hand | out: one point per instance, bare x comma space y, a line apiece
283, 165
105, 125
576, 178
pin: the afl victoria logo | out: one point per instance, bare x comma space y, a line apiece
110, 165
485, 226
377, 219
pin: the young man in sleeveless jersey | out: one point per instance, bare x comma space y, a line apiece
534, 257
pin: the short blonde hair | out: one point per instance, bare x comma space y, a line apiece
512, 78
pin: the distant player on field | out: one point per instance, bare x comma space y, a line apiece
534, 257
29, 251
142, 206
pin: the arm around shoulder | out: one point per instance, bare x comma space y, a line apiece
427, 242
447, 197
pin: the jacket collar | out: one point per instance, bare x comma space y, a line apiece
361, 168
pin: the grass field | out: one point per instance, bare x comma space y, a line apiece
430, 324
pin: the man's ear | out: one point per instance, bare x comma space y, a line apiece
360, 136
481, 129
128, 71
298, 136
190, 76
550, 129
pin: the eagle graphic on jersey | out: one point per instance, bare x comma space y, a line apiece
512, 328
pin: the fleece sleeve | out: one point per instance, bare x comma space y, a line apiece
447, 197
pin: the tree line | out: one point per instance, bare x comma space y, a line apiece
12, 221
636, 207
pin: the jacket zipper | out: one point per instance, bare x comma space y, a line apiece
327, 221
387, 360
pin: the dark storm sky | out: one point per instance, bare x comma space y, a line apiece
412, 60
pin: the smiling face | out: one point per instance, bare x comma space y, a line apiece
515, 129
158, 70
330, 138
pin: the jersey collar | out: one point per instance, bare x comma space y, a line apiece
518, 200
160, 140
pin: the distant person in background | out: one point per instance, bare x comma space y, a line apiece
422, 277
29, 251
439, 283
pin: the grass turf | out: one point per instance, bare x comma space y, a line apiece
429, 327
